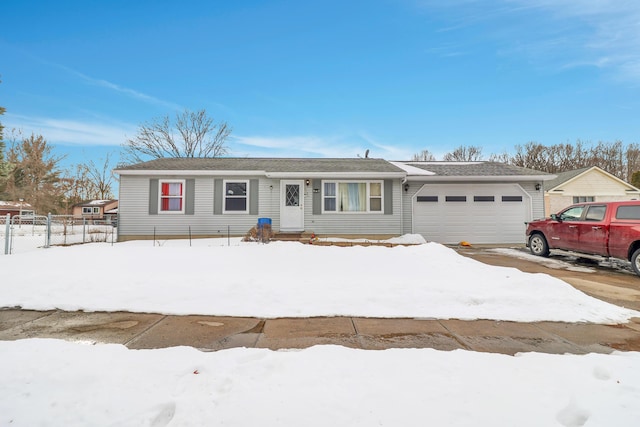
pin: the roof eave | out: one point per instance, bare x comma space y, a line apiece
466, 178
300, 174
189, 172
332, 175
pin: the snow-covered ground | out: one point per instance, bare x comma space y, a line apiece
50, 382
285, 279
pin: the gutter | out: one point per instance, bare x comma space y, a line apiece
299, 175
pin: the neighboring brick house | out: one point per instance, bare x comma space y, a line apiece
16, 208
96, 210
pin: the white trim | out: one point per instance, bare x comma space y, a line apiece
486, 178
183, 196
188, 172
224, 196
368, 196
285, 175
365, 175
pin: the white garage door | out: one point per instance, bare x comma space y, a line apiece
475, 213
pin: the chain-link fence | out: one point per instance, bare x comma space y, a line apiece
21, 232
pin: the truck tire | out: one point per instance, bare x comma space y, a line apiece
538, 245
635, 261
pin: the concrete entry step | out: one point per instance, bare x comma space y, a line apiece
210, 333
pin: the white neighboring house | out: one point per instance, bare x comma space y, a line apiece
590, 184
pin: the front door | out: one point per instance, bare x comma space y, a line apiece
292, 205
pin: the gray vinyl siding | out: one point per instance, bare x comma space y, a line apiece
354, 223
135, 219
537, 199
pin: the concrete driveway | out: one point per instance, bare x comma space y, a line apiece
210, 333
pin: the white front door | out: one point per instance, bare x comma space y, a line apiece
292, 205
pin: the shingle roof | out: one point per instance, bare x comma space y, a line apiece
563, 177
475, 169
266, 164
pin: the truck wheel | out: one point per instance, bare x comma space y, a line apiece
538, 245
635, 261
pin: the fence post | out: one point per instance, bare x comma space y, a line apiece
84, 229
6, 234
47, 243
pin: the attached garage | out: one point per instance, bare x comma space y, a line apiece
480, 213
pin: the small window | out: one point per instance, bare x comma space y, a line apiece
89, 210
484, 198
427, 198
595, 213
511, 198
628, 212
171, 196
235, 196
583, 199
456, 198
375, 196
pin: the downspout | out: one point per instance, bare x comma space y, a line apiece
402, 182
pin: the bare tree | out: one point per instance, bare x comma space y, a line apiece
633, 161
635, 179
504, 157
4, 165
191, 134
532, 155
99, 178
464, 154
423, 156
612, 157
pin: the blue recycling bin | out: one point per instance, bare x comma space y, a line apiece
263, 221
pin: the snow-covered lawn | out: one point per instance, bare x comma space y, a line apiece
49, 382
290, 280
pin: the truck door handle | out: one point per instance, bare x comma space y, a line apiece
595, 228
573, 226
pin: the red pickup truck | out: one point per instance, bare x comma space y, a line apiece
606, 229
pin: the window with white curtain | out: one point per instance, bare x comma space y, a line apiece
352, 196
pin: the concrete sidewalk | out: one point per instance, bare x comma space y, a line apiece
209, 333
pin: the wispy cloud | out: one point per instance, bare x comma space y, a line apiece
123, 90
131, 93
553, 33
599, 33
71, 132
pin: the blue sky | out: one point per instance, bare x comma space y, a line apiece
324, 78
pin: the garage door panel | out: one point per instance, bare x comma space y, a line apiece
473, 221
